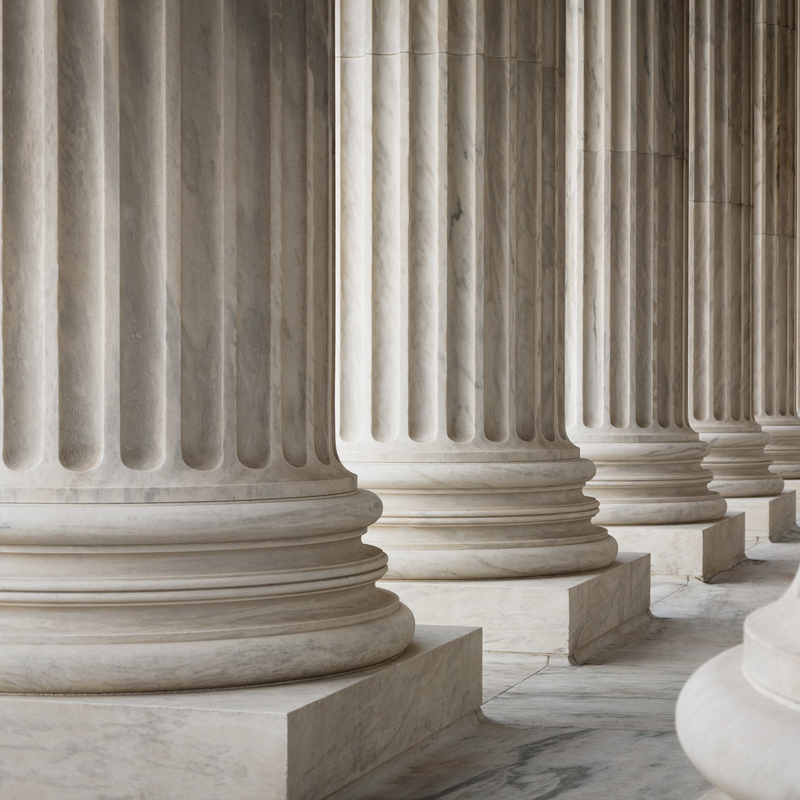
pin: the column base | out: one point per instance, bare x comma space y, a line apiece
281, 742
743, 742
766, 517
697, 550
552, 615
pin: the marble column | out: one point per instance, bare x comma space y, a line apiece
775, 286
174, 512
450, 258
626, 169
738, 716
720, 265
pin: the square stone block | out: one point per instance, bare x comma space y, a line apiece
554, 614
293, 741
766, 517
792, 486
698, 550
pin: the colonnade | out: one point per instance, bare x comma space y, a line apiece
563, 320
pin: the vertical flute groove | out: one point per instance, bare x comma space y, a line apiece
80, 233
386, 255
254, 157
320, 232
143, 238
294, 232
463, 252
425, 232
202, 233
23, 220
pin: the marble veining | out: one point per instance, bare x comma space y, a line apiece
450, 259
626, 128
167, 352
149, 208
720, 251
775, 377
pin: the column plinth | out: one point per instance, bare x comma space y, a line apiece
174, 513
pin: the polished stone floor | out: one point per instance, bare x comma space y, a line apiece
601, 731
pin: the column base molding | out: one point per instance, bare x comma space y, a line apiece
651, 482
552, 614
281, 742
698, 550
163, 597
767, 517
743, 742
485, 520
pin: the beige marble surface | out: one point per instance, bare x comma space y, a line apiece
775, 375
720, 265
294, 741
174, 513
555, 614
450, 259
767, 516
625, 298
700, 549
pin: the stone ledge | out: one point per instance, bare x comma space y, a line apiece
698, 550
551, 614
766, 517
292, 741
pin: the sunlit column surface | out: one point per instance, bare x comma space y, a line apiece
626, 166
451, 271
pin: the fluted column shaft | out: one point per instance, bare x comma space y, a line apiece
626, 262
167, 353
720, 249
775, 285
450, 259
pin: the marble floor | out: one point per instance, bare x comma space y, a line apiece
601, 731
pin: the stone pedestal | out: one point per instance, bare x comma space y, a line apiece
554, 615
295, 741
451, 266
697, 549
767, 517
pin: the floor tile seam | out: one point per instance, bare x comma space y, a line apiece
544, 725
674, 592
514, 685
